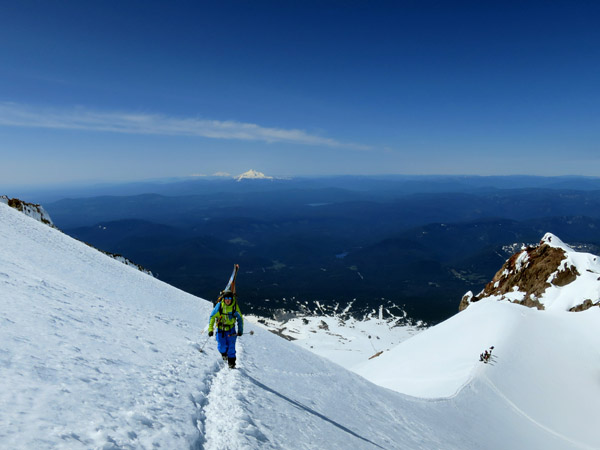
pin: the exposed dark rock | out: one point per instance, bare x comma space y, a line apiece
323, 325
530, 302
529, 271
587, 304
30, 209
465, 301
566, 276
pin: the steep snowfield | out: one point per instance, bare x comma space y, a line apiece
94, 354
585, 286
545, 365
91, 351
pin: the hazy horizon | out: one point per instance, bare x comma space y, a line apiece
275, 176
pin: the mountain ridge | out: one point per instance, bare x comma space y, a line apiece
528, 276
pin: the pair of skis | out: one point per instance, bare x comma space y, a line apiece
231, 283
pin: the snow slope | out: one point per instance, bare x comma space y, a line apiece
545, 364
95, 354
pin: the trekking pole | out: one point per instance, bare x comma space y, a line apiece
202, 348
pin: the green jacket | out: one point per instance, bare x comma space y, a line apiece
225, 317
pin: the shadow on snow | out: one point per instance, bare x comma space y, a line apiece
309, 410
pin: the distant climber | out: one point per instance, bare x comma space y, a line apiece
486, 355
225, 315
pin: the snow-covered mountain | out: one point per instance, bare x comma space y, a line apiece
253, 175
550, 275
94, 354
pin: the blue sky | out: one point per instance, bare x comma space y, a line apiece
128, 90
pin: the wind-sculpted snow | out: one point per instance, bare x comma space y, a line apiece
97, 355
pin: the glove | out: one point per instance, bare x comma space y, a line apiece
210, 333
240, 333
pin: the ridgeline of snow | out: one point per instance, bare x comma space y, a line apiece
94, 354
29, 209
252, 175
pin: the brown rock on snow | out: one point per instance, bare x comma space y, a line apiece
528, 272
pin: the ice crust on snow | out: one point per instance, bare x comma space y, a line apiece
95, 354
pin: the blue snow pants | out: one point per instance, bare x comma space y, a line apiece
226, 342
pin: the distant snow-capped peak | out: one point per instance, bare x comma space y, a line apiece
550, 275
253, 175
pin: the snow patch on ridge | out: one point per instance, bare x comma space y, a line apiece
521, 262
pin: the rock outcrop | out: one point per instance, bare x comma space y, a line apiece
30, 209
534, 277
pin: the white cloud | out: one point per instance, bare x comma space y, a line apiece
18, 115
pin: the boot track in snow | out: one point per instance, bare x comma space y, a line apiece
222, 418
